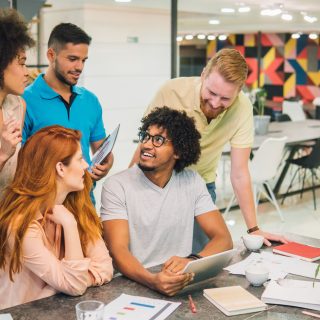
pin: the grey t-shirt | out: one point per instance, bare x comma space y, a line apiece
160, 219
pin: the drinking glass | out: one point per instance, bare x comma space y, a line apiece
90, 310
11, 108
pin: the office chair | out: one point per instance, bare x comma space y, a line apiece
310, 162
263, 167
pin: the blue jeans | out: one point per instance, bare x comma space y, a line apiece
200, 239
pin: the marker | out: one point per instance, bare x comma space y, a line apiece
192, 306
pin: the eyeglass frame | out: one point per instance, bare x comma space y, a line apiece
152, 137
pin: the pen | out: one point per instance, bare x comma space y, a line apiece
192, 306
311, 314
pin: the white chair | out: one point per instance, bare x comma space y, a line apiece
263, 167
294, 110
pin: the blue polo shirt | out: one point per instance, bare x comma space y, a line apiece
45, 107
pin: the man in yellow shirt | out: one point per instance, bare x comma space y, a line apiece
223, 114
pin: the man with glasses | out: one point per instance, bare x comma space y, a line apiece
148, 211
223, 114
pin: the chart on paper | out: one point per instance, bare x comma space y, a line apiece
127, 307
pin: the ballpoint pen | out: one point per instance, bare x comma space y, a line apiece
192, 306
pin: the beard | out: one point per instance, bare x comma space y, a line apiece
145, 168
208, 111
60, 76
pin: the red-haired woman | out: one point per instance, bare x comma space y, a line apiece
13, 79
50, 234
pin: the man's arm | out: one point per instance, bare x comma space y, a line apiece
215, 228
99, 171
241, 182
116, 234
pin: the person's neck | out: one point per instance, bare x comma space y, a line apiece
55, 84
160, 179
61, 197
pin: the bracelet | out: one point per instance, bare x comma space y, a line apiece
253, 229
194, 256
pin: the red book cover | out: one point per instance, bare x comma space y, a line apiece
298, 250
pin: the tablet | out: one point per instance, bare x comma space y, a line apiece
105, 148
208, 267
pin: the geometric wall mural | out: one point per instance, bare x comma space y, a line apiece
288, 68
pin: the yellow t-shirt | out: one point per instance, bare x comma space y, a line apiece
235, 125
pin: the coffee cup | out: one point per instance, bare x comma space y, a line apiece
253, 241
257, 274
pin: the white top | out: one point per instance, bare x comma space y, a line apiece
160, 219
11, 107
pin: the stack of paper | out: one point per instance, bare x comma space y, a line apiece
298, 293
278, 266
234, 300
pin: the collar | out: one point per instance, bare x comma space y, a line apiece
46, 92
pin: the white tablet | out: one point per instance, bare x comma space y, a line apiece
208, 267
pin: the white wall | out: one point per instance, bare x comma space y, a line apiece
124, 75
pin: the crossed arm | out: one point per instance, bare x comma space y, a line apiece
169, 280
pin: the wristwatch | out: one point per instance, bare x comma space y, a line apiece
194, 256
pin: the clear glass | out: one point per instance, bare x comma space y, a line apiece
11, 108
90, 310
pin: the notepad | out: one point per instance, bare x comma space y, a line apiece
289, 292
234, 300
298, 250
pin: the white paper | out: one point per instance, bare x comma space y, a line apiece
127, 307
5, 316
293, 293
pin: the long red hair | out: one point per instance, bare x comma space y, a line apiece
34, 189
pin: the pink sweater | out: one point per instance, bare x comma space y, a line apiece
45, 272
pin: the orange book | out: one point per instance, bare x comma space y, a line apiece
298, 250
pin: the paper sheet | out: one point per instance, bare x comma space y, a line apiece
5, 316
127, 307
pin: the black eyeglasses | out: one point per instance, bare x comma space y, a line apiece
157, 140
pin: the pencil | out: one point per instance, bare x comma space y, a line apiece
192, 306
311, 314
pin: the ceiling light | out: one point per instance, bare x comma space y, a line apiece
244, 9
122, 0
211, 37
227, 10
189, 37
295, 36
286, 17
313, 36
270, 12
179, 38
201, 36
310, 19
214, 21
222, 37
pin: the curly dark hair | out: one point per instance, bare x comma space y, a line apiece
14, 37
181, 130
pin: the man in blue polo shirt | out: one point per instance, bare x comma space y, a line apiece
54, 98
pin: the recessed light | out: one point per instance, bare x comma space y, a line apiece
201, 36
122, 0
310, 19
244, 9
211, 37
295, 36
189, 37
214, 21
179, 38
228, 10
286, 17
222, 37
313, 36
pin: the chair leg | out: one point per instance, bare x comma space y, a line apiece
274, 201
313, 190
229, 206
291, 182
304, 177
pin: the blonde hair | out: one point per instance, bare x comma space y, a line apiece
33, 190
230, 64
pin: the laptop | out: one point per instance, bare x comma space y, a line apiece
208, 267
